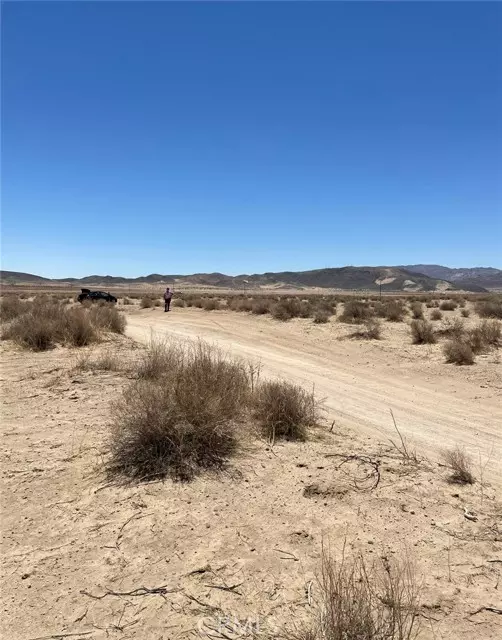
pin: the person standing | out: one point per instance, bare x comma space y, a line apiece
168, 294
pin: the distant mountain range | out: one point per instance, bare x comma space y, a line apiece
402, 278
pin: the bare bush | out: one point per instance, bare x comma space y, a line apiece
31, 332
372, 330
105, 361
465, 313
460, 465
179, 302
486, 335
126, 301
356, 312
491, 308
146, 302
457, 351
211, 304
260, 307
182, 422
361, 601
422, 332
448, 305
284, 410
417, 310
436, 314
11, 307
395, 311
108, 318
321, 316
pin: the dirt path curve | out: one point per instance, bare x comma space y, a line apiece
434, 406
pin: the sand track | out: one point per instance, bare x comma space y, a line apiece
435, 405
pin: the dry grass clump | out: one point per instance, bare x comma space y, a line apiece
285, 410
105, 361
146, 303
356, 312
182, 421
436, 314
361, 601
179, 302
448, 305
491, 308
452, 329
465, 313
417, 310
11, 307
458, 351
422, 332
460, 465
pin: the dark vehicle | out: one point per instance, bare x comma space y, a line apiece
94, 296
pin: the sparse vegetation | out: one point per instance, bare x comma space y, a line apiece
43, 324
321, 316
372, 330
436, 314
422, 332
460, 465
395, 311
465, 313
361, 601
448, 305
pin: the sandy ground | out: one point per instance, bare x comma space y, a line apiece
77, 552
435, 404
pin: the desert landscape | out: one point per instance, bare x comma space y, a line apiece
341, 469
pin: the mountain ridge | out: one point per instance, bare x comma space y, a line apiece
400, 278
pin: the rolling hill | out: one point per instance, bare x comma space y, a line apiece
345, 278
486, 277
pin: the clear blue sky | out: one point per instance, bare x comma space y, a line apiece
245, 137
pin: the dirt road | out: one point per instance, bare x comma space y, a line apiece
435, 405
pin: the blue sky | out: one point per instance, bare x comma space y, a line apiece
247, 137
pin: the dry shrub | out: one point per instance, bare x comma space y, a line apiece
448, 305
491, 308
460, 464
157, 303
211, 304
260, 307
417, 310
284, 410
286, 309
146, 303
457, 351
485, 335
465, 313
452, 329
436, 314
372, 330
11, 307
126, 301
395, 311
321, 316
179, 302
78, 329
361, 601
108, 318
31, 332
422, 332
356, 312
182, 422
160, 359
